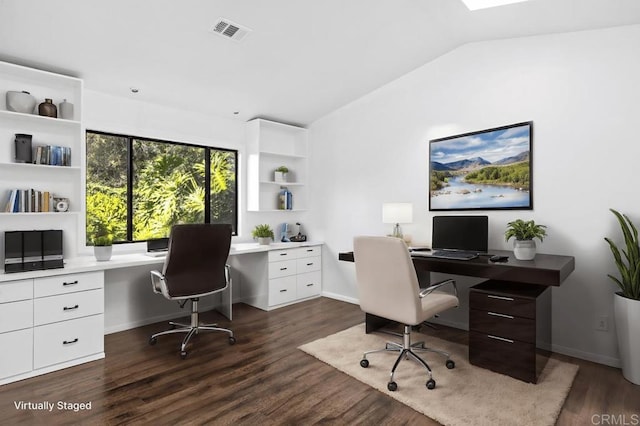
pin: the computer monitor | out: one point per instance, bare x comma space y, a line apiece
466, 233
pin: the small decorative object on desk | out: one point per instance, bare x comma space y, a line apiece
102, 242
263, 233
48, 109
280, 174
66, 110
20, 102
524, 232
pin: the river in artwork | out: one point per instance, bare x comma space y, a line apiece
462, 195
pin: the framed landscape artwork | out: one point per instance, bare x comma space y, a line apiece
483, 170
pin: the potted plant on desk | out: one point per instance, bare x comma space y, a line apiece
102, 242
524, 248
626, 302
263, 233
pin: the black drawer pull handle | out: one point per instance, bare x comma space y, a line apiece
70, 308
283, 291
310, 264
502, 339
310, 250
283, 254
499, 315
510, 299
283, 269
310, 285
71, 283
68, 342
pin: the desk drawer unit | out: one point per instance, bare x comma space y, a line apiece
510, 328
294, 274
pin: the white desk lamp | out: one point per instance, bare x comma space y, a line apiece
397, 213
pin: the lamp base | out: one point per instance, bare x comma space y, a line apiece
397, 231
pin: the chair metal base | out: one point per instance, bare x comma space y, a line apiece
195, 327
407, 350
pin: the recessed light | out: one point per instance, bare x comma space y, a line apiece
484, 4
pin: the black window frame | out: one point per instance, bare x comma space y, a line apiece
130, 175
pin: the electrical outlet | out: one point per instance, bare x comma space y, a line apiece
603, 323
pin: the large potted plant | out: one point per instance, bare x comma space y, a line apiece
102, 242
626, 302
263, 233
524, 247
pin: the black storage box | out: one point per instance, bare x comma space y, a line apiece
32, 250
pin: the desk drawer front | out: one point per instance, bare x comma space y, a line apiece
308, 264
16, 316
502, 325
515, 359
16, 290
68, 306
302, 252
282, 290
279, 255
309, 284
508, 305
62, 284
282, 269
16, 356
67, 340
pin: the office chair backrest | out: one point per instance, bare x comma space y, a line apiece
386, 279
196, 260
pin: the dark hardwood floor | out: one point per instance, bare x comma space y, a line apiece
263, 379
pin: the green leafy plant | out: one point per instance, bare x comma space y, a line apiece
103, 235
524, 230
627, 260
262, 231
282, 169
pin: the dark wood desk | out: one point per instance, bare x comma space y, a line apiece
509, 314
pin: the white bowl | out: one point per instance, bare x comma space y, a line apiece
20, 102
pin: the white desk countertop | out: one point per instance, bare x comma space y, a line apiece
89, 263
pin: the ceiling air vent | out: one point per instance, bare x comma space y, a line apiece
227, 29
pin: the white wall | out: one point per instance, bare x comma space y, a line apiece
581, 92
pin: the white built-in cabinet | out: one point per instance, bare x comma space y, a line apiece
270, 145
62, 182
50, 322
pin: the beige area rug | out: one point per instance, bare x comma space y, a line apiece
466, 395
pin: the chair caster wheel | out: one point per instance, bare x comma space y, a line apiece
232, 340
392, 386
153, 341
364, 363
183, 354
431, 384
450, 364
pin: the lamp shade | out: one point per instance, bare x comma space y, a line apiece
397, 213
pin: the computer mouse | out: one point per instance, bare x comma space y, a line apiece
498, 258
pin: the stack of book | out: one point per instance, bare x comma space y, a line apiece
29, 201
53, 155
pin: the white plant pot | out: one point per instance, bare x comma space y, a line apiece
627, 317
279, 176
524, 249
264, 241
102, 253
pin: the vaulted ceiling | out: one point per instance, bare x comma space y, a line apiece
301, 60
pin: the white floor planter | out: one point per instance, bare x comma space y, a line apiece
102, 253
627, 317
524, 249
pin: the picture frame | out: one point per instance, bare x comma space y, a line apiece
482, 170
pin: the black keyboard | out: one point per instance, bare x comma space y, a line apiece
455, 255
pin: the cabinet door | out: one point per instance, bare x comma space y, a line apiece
282, 290
62, 284
68, 306
16, 290
16, 315
309, 284
16, 356
282, 269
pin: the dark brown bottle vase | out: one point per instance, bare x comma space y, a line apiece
48, 109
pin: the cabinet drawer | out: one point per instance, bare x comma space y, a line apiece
67, 340
16, 290
502, 325
308, 264
68, 306
309, 284
62, 284
282, 269
513, 358
282, 290
16, 315
516, 306
278, 255
308, 251
16, 356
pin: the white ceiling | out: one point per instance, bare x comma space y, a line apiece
302, 60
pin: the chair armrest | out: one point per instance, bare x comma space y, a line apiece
157, 281
436, 286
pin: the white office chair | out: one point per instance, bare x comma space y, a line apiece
388, 287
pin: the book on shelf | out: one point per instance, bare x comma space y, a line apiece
28, 201
53, 155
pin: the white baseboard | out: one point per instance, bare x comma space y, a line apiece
340, 297
145, 321
588, 356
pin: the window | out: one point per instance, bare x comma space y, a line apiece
141, 187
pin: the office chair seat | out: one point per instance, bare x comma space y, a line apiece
195, 266
388, 287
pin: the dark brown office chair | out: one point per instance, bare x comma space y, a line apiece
388, 287
196, 266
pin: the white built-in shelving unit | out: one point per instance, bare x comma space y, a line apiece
269, 145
